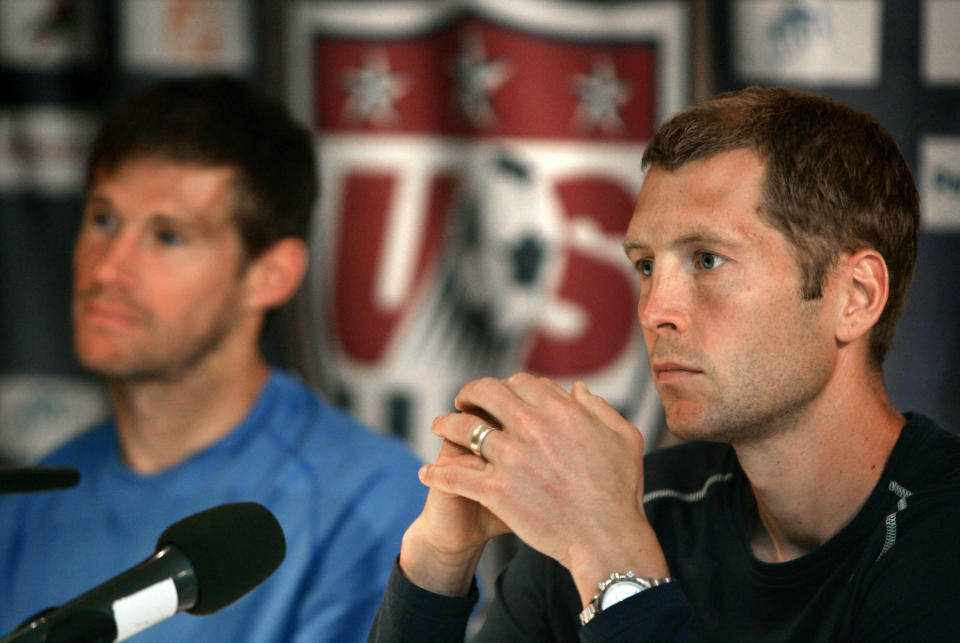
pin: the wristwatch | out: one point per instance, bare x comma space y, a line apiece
615, 589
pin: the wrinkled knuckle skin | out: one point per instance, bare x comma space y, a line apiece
518, 379
553, 387
447, 477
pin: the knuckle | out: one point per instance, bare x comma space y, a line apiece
518, 379
447, 477
569, 407
548, 383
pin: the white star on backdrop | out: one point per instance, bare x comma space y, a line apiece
372, 90
601, 95
476, 79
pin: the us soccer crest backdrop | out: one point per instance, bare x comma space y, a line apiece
479, 160
480, 163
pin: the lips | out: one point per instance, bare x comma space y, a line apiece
668, 371
107, 312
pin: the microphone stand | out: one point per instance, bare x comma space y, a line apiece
81, 626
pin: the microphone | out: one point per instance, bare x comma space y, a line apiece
202, 564
20, 479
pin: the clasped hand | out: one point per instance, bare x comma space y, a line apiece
565, 474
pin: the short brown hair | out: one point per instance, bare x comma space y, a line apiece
220, 120
835, 181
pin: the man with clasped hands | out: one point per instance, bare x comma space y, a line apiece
774, 238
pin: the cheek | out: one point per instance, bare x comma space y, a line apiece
746, 332
84, 259
730, 292
188, 279
724, 315
780, 340
195, 295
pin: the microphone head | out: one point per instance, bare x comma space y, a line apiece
23, 479
232, 548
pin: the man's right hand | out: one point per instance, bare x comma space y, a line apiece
442, 547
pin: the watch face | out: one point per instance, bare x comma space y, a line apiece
617, 592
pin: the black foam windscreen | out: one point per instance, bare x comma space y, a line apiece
232, 548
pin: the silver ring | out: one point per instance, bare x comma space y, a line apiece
478, 436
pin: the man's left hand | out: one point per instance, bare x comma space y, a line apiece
565, 474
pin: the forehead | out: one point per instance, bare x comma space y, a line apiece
155, 186
717, 198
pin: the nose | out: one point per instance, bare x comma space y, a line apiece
664, 302
110, 260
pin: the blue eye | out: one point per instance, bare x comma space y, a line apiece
710, 261
170, 238
645, 266
103, 220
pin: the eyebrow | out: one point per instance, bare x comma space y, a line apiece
97, 199
685, 240
157, 217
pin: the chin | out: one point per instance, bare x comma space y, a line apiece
103, 368
683, 418
693, 424
94, 361
686, 432
103, 362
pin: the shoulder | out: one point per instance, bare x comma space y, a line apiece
323, 447
299, 414
333, 482
924, 477
925, 457
910, 587
920, 529
935, 435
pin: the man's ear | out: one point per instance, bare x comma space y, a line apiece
865, 285
274, 276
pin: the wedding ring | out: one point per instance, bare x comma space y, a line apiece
478, 436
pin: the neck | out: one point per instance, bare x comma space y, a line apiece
163, 421
812, 474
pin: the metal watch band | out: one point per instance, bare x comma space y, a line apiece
593, 607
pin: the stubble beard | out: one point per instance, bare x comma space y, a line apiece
763, 395
747, 416
149, 364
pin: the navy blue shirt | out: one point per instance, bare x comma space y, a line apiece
890, 574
